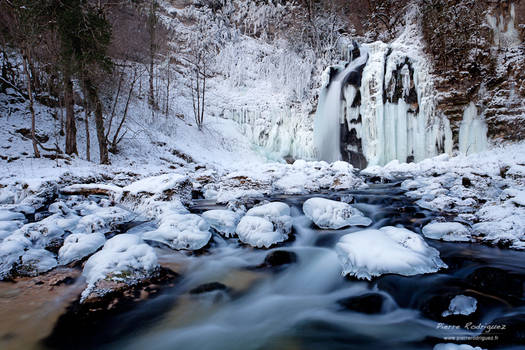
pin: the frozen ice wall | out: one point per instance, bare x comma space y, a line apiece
386, 111
472, 132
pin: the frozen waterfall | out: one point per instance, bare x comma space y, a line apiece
329, 114
385, 111
472, 132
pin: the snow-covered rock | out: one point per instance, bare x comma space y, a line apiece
461, 305
329, 214
181, 231
36, 261
447, 231
162, 187
11, 249
124, 258
79, 245
223, 221
104, 219
49, 230
369, 253
8, 215
277, 213
259, 232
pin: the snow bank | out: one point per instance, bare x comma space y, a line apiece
181, 231
124, 258
329, 214
223, 221
369, 253
461, 305
447, 231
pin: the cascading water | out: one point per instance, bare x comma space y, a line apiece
327, 121
472, 132
386, 112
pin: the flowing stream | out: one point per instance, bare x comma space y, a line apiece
301, 305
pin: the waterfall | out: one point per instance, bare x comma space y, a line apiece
328, 117
381, 107
472, 132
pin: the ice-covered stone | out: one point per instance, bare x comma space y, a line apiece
329, 214
8, 215
447, 231
223, 221
461, 305
369, 253
79, 245
104, 219
277, 213
259, 232
36, 261
124, 258
181, 231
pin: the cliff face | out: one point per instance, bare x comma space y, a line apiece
494, 79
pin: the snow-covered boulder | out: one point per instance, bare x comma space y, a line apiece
223, 221
277, 213
181, 231
11, 249
162, 187
329, 214
259, 232
104, 219
79, 245
8, 215
447, 231
124, 258
50, 230
35, 261
461, 305
368, 253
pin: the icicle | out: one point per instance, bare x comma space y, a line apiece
472, 132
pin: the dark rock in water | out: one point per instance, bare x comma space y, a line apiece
101, 318
280, 258
497, 282
509, 330
466, 182
369, 303
434, 307
55, 244
209, 287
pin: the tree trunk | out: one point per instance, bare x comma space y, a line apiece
31, 108
94, 100
71, 129
152, 24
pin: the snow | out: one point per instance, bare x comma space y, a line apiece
370, 253
223, 221
483, 190
461, 305
447, 231
124, 258
259, 232
155, 184
79, 245
277, 213
329, 214
181, 231
36, 261
7, 215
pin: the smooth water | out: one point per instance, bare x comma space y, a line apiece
297, 307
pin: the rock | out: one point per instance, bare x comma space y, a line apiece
497, 282
329, 214
181, 231
369, 303
368, 253
279, 258
97, 314
259, 232
223, 221
447, 231
209, 287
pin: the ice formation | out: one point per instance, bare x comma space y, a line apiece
472, 132
368, 253
447, 231
461, 305
259, 232
505, 32
223, 221
329, 214
386, 111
